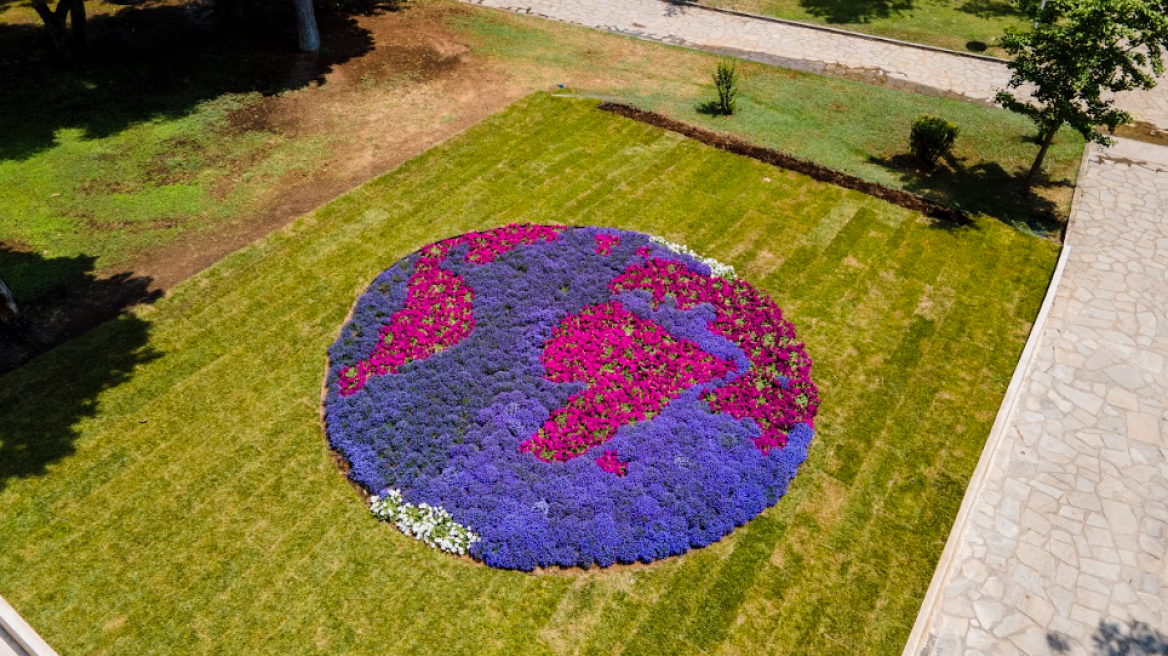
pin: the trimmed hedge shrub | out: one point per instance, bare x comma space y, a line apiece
930, 139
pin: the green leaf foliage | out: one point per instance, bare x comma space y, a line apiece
1078, 54
726, 82
930, 139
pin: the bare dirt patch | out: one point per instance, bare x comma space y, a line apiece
417, 87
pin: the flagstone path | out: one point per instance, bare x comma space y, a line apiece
1070, 528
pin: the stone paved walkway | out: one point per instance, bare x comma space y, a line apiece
1071, 526
803, 48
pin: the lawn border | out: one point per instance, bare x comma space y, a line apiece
836, 30
739, 146
921, 641
26, 638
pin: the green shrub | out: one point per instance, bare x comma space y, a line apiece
726, 83
931, 137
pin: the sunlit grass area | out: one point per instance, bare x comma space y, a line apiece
175, 131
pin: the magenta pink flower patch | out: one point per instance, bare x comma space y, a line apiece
605, 243
755, 323
610, 463
439, 308
631, 366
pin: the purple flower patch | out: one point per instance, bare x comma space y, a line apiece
474, 374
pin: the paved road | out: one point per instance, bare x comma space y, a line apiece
804, 48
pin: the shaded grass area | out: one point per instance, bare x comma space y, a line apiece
139, 187
962, 25
123, 155
182, 499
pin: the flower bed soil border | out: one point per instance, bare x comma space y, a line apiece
739, 146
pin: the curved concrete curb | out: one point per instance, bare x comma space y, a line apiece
836, 30
920, 641
13, 629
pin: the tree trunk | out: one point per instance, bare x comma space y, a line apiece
9, 313
55, 23
70, 43
306, 26
1047, 138
80, 39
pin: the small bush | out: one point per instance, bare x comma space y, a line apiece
726, 83
931, 137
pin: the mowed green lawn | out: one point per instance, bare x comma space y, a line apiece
848, 126
166, 488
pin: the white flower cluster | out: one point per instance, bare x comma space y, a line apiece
430, 524
717, 268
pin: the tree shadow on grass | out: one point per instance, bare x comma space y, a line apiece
989, 8
1113, 639
41, 404
855, 11
711, 109
60, 298
150, 62
981, 188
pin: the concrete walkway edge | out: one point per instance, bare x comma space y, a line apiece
919, 639
12, 624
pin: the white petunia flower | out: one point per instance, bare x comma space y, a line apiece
716, 268
432, 525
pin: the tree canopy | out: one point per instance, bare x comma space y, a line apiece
1076, 56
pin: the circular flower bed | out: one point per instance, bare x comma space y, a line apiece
547, 395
